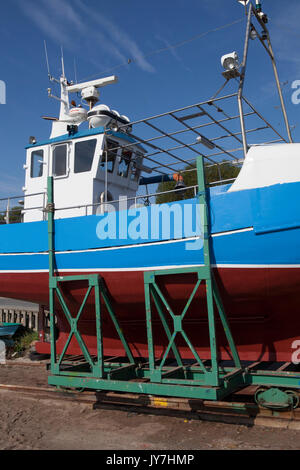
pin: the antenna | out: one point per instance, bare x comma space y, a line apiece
62, 62
244, 3
50, 76
47, 60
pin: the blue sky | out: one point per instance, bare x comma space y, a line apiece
101, 36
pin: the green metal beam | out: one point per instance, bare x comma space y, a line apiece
94, 283
200, 381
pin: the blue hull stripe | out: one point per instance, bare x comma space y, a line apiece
273, 212
243, 248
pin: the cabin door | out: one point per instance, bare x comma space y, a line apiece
60, 160
60, 170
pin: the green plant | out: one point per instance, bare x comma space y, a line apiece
15, 215
23, 340
190, 179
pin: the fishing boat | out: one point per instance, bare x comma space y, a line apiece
107, 222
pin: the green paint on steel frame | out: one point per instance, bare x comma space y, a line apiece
184, 383
94, 282
211, 376
213, 383
50, 209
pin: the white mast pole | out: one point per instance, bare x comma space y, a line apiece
62, 63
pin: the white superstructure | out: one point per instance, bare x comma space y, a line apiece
90, 154
266, 165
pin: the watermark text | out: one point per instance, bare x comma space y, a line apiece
2, 92
172, 221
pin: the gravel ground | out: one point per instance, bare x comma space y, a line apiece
33, 424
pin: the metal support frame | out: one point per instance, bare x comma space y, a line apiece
202, 380
199, 373
96, 366
211, 376
166, 155
191, 381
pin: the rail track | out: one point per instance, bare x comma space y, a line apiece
239, 409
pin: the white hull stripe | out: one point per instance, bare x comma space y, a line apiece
124, 247
157, 268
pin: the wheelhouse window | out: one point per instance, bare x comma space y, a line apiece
37, 163
124, 164
60, 160
109, 156
135, 171
84, 155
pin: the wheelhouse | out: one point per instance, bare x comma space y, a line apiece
89, 169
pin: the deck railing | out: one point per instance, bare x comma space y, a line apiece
11, 215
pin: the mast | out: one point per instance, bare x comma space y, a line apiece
264, 38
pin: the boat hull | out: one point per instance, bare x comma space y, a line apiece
255, 253
262, 305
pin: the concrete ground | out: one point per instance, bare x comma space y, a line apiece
28, 423
17, 304
34, 424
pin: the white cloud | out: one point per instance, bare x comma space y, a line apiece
66, 12
44, 21
59, 21
118, 36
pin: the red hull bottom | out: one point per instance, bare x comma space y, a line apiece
262, 304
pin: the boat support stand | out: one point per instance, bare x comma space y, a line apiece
207, 380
